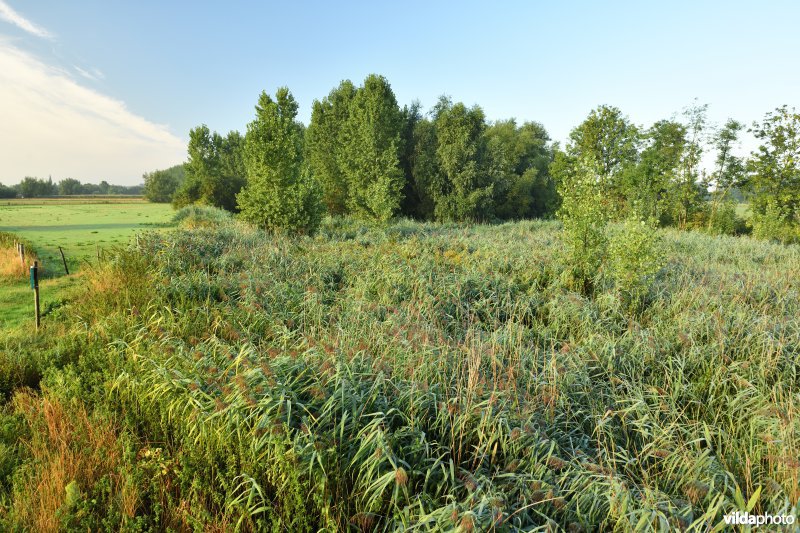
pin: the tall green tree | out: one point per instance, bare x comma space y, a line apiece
520, 157
324, 141
280, 194
774, 170
424, 166
648, 184
464, 190
610, 139
688, 192
370, 152
160, 185
411, 204
212, 177
231, 159
729, 171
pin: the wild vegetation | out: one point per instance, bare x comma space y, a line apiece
346, 332
437, 376
370, 159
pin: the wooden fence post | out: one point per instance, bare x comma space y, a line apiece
22, 254
35, 287
64, 259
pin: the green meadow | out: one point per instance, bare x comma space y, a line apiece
81, 227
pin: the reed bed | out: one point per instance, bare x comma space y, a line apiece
442, 377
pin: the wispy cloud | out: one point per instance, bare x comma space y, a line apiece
8, 14
94, 75
53, 125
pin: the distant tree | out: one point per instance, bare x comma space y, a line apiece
7, 192
424, 163
324, 142
208, 171
688, 192
729, 171
160, 185
411, 204
774, 174
36, 187
135, 190
520, 156
69, 187
232, 169
648, 184
104, 187
369, 155
280, 194
464, 190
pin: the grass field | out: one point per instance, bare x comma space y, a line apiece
81, 227
426, 376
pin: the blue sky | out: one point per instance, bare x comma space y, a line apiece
108, 90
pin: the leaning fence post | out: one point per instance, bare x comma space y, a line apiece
22, 254
35, 287
64, 259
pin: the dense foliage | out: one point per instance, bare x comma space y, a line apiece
422, 375
214, 172
160, 186
372, 160
279, 195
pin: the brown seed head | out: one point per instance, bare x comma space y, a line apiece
401, 476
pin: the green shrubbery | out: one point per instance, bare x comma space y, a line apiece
776, 224
200, 215
635, 257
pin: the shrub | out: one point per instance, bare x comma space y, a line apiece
775, 224
584, 213
635, 255
721, 219
194, 216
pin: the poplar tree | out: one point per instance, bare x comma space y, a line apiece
324, 140
369, 155
280, 193
464, 189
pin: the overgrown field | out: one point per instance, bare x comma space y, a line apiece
421, 376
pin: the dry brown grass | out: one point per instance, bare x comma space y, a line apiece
10, 265
66, 444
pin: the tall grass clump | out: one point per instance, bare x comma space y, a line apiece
193, 216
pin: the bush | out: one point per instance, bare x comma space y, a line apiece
635, 255
721, 219
194, 216
775, 224
584, 214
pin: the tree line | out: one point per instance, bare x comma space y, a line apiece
364, 156
31, 187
